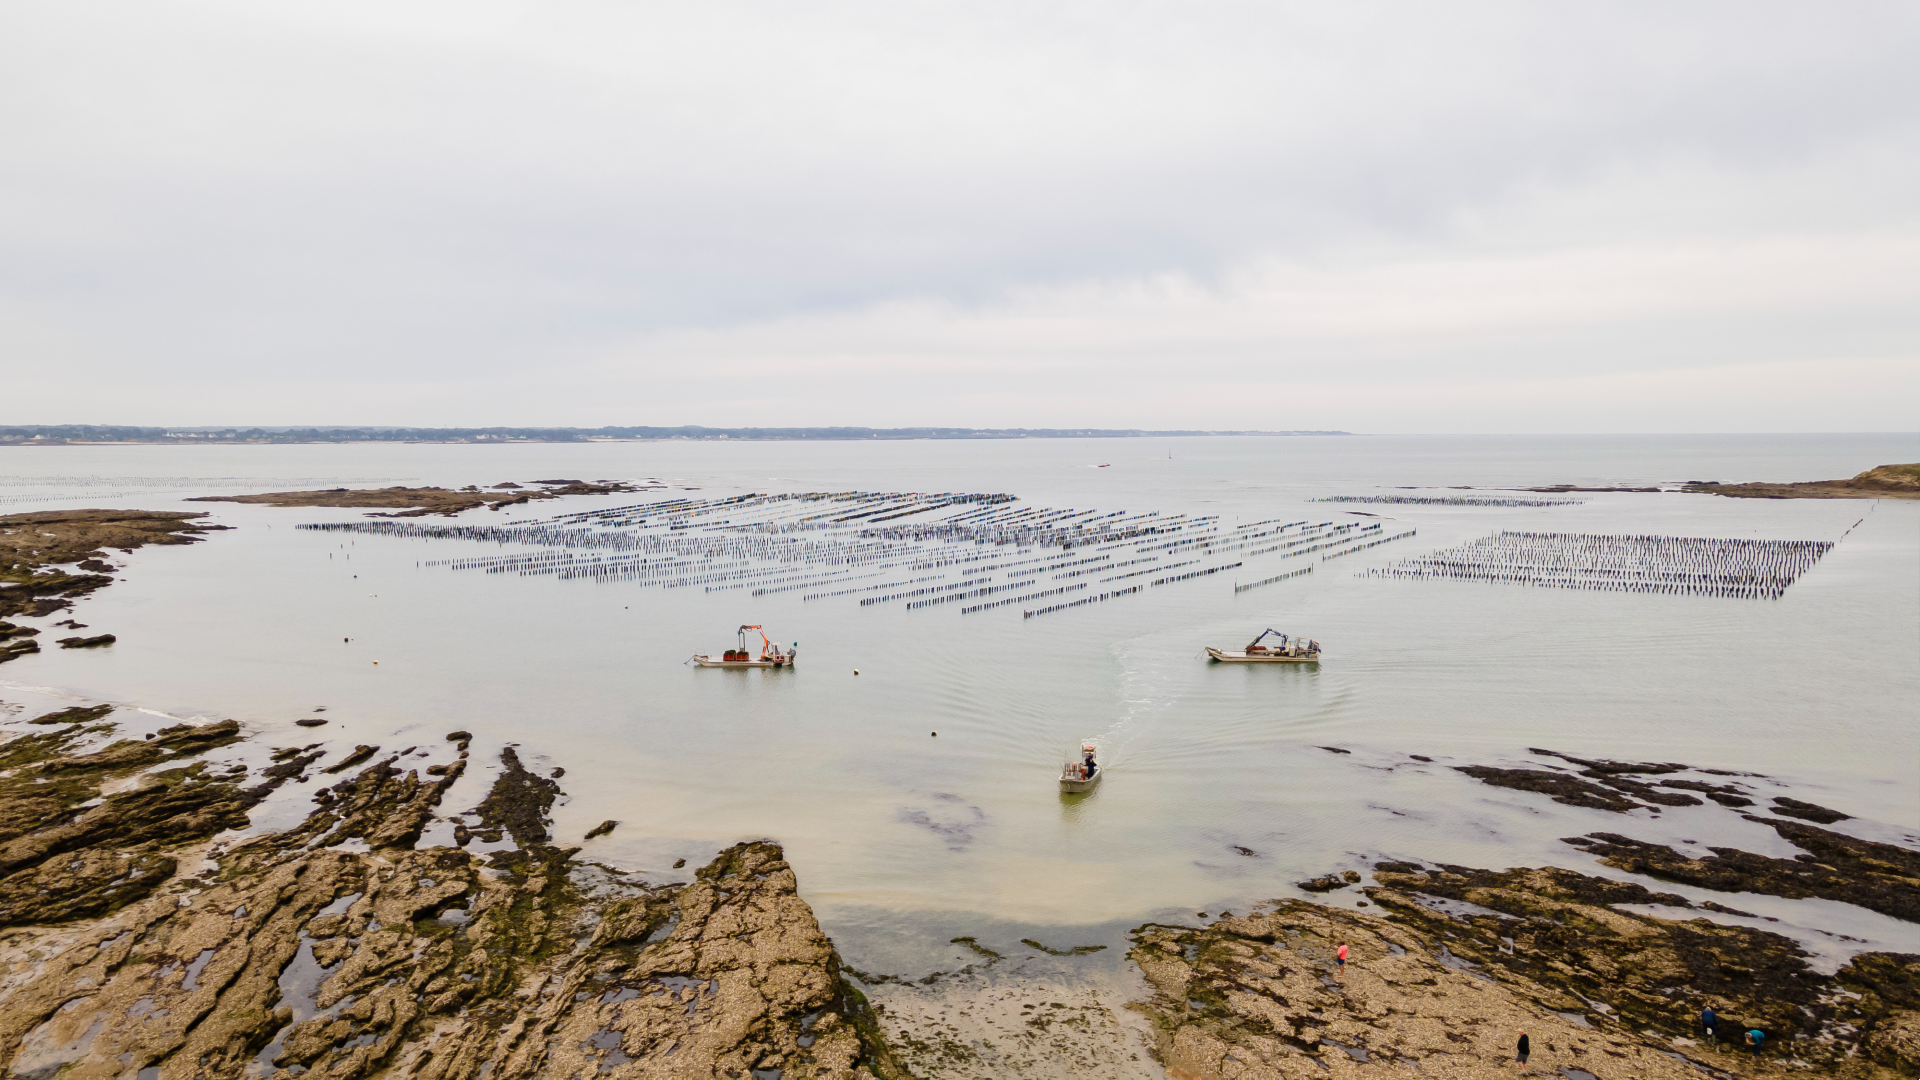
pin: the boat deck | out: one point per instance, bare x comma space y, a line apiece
1227, 657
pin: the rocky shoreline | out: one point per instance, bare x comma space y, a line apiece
1443, 989
33, 546
1607, 977
144, 933
343, 948
1883, 482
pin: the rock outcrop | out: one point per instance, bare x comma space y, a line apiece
33, 545
1881, 482
421, 501
340, 948
1461, 961
1833, 866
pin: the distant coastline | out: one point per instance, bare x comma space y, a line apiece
95, 434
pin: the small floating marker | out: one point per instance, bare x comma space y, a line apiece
936, 734
376, 663
856, 671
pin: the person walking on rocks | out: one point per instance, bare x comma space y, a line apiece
1524, 1049
1711, 1023
1340, 960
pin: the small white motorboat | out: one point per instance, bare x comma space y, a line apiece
770, 654
1081, 775
1285, 651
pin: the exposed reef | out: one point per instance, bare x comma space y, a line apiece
1558, 489
1610, 785
343, 948
1807, 811
1832, 866
67, 850
33, 547
1460, 961
1883, 482
1456, 962
421, 501
1329, 882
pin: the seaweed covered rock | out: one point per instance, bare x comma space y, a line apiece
1601, 784
1329, 882
425, 500
78, 714
1460, 961
31, 545
68, 851
1807, 811
1259, 997
1880, 877
517, 804
341, 948
1561, 935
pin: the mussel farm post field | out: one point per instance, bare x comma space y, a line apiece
1693, 565
955, 552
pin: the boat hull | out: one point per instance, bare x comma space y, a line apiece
1225, 657
708, 661
1069, 786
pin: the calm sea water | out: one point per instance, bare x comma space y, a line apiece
902, 837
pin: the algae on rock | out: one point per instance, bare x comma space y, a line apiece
1460, 961
430, 962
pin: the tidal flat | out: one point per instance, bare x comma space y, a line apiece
143, 930
1580, 813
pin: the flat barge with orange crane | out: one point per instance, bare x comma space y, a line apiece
770, 654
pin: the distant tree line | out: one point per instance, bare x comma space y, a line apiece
90, 433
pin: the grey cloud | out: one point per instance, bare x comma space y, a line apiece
441, 191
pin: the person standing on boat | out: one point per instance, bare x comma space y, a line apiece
1088, 764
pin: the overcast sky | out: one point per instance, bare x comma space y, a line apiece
1412, 217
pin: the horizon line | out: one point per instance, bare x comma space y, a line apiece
17, 434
